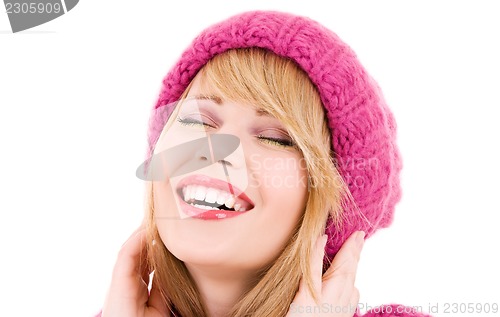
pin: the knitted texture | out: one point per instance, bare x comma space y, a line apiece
362, 127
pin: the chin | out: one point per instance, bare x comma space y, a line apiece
224, 259
202, 257
199, 248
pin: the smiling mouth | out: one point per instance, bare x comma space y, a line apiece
208, 198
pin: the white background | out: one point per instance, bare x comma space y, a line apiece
75, 96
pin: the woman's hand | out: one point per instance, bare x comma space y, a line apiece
128, 294
338, 295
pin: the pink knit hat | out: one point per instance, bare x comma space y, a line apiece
362, 126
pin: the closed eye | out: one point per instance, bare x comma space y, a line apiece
272, 141
193, 122
277, 141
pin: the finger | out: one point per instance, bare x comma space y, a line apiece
144, 265
340, 277
305, 292
317, 263
127, 292
156, 301
349, 252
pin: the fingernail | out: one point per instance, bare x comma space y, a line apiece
360, 238
325, 239
321, 242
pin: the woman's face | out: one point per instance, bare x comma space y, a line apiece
233, 189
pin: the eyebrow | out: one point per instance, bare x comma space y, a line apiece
214, 98
218, 101
262, 112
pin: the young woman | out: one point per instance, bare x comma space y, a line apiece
271, 157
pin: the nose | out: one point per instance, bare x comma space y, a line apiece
225, 149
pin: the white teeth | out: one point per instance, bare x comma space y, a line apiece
200, 193
192, 192
211, 195
230, 202
203, 207
186, 193
221, 198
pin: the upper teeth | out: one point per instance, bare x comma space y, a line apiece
210, 195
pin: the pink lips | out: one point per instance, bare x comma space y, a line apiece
207, 181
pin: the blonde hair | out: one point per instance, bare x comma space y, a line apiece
280, 87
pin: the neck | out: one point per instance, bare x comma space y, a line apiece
220, 288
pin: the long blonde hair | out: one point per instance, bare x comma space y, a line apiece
280, 87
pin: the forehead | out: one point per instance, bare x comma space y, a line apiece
207, 93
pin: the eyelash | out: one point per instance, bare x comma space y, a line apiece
274, 141
278, 142
191, 122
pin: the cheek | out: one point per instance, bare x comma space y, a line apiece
282, 186
165, 212
285, 191
281, 177
163, 198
